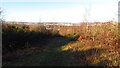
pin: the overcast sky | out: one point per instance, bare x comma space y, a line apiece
60, 10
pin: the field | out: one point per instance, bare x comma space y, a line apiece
34, 45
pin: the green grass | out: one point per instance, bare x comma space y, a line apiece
61, 51
51, 55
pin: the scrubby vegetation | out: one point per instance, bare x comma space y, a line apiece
83, 45
17, 36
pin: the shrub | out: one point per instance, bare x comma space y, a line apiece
16, 36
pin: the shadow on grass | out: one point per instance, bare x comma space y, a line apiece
53, 55
78, 58
51, 43
104, 63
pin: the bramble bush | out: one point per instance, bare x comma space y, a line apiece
107, 33
16, 36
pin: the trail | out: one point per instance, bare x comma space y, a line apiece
52, 55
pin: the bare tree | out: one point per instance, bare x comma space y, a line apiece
1, 16
0, 13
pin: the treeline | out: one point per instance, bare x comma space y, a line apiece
16, 36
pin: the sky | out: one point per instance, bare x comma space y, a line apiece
59, 11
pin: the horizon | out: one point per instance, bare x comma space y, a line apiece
65, 11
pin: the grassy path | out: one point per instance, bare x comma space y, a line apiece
60, 51
51, 55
